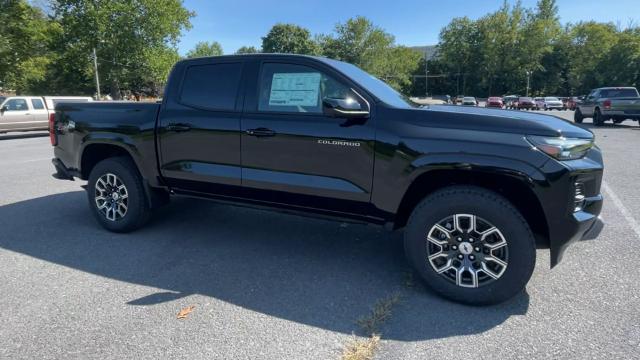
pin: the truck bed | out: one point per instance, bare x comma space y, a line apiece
128, 124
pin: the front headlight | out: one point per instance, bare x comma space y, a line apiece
561, 148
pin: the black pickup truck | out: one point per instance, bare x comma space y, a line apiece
476, 190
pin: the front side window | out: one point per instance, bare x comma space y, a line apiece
297, 89
16, 105
37, 104
211, 87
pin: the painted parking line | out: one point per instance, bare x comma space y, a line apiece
623, 209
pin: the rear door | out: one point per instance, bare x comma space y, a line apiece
292, 152
199, 127
40, 113
16, 115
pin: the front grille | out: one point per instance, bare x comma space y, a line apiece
578, 199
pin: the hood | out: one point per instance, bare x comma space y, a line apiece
495, 120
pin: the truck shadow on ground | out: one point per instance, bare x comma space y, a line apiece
315, 272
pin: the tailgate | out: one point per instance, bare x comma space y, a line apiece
628, 105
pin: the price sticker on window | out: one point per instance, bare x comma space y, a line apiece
294, 89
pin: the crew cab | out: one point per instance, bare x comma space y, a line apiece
29, 113
475, 190
609, 103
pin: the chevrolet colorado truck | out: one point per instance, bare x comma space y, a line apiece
611, 103
475, 190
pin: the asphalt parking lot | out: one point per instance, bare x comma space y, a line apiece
275, 286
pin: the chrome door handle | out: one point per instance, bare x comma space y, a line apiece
261, 132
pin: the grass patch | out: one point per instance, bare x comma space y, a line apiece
361, 349
380, 313
365, 349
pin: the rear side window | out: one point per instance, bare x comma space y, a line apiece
211, 87
616, 93
37, 104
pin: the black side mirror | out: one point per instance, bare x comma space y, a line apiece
3, 109
344, 108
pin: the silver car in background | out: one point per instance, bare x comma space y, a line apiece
469, 101
550, 103
30, 113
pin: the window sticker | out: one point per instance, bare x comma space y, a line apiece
294, 89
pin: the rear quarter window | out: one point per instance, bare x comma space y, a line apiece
37, 104
211, 86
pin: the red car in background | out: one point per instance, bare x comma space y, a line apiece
495, 102
573, 102
526, 103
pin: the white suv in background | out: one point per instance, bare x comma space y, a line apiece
27, 113
550, 103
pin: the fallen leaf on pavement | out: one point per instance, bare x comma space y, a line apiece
186, 311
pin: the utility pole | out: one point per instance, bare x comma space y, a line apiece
528, 79
426, 74
95, 68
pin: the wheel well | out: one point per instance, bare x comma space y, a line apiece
95, 153
514, 190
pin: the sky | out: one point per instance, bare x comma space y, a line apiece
235, 23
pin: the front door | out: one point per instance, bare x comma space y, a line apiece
199, 128
16, 115
588, 105
293, 153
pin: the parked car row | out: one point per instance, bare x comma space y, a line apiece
517, 102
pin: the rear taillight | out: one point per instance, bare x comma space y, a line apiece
52, 130
607, 104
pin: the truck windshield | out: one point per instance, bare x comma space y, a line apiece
377, 87
617, 93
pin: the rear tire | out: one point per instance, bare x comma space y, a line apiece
486, 207
577, 116
116, 195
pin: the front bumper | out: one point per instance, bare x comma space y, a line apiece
584, 225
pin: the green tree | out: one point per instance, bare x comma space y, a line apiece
25, 34
247, 50
622, 65
125, 33
591, 44
289, 39
357, 41
456, 48
360, 42
396, 66
203, 49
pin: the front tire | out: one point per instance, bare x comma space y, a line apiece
470, 245
116, 195
577, 116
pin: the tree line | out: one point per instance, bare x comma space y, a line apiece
495, 54
49, 49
